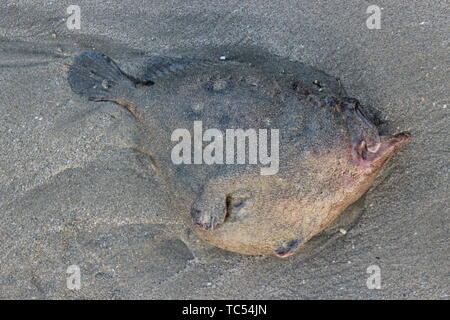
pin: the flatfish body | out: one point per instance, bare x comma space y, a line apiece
257, 160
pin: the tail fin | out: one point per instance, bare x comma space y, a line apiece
95, 76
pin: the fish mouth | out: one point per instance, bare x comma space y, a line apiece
375, 155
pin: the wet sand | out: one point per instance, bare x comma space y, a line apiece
73, 191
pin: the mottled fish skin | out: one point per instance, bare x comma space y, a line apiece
330, 151
158, 67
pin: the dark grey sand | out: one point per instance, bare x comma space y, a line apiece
74, 191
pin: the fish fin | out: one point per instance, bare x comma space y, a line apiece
158, 67
208, 220
288, 248
97, 77
209, 212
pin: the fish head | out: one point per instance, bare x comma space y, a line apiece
246, 212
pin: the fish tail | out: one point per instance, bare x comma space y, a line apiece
97, 77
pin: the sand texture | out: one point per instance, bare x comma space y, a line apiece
75, 191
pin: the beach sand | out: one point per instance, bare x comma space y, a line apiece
74, 192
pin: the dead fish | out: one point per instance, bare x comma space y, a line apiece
329, 150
